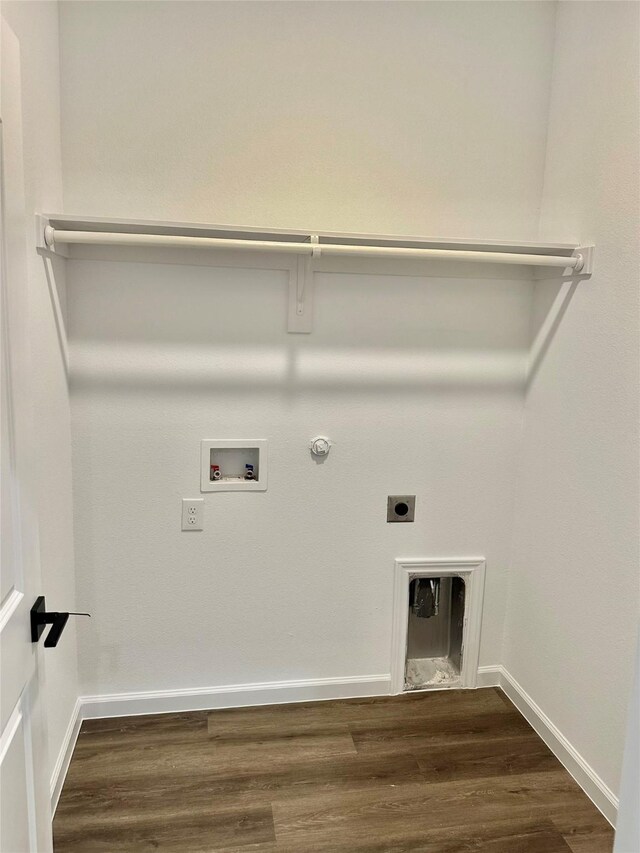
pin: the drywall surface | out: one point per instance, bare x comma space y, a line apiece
574, 596
412, 379
407, 118
36, 26
628, 823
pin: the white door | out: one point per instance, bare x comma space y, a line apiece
24, 788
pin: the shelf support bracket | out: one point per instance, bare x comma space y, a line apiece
300, 318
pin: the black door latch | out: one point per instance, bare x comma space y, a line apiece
40, 617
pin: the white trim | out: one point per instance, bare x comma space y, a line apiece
233, 696
488, 676
586, 777
9, 607
61, 766
9, 732
472, 570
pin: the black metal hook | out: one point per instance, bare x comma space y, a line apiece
41, 617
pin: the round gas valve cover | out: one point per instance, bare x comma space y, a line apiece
320, 446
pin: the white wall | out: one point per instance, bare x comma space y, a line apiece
409, 118
628, 823
412, 378
424, 118
573, 604
36, 26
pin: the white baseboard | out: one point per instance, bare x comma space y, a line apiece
233, 696
488, 676
593, 786
278, 692
64, 756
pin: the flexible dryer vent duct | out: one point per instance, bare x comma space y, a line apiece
425, 597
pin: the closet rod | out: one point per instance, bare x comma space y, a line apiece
312, 249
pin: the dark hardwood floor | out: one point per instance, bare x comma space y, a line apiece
441, 772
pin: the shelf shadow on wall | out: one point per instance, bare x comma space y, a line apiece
263, 371
178, 330
437, 339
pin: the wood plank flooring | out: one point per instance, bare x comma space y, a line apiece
441, 772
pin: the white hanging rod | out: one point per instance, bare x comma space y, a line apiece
576, 262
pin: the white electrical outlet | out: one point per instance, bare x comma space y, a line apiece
192, 513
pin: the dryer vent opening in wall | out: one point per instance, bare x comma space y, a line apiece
435, 632
437, 619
